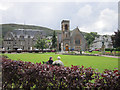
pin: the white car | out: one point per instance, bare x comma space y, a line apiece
19, 49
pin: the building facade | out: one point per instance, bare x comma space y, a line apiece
23, 39
70, 40
97, 43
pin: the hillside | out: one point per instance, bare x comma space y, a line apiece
10, 27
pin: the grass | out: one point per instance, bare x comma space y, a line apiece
98, 52
49, 40
98, 62
93, 52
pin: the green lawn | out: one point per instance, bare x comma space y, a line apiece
98, 62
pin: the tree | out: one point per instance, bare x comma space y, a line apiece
90, 37
54, 40
116, 39
40, 44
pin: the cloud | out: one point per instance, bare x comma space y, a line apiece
85, 11
5, 5
82, 15
89, 17
106, 23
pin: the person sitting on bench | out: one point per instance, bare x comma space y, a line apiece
50, 61
58, 62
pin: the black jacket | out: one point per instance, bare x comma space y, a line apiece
50, 61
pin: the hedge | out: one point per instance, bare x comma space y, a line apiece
30, 51
113, 49
27, 75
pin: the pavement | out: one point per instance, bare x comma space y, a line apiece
94, 54
110, 56
106, 55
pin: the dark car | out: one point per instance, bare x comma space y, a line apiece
90, 50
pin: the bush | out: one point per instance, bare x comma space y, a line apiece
9, 51
109, 49
117, 49
19, 74
36, 51
3, 51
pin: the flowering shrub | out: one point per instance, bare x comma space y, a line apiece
19, 74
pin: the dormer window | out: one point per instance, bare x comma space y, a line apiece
15, 36
8, 38
28, 36
22, 37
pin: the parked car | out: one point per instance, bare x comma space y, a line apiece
90, 50
97, 50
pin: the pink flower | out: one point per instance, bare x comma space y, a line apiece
115, 71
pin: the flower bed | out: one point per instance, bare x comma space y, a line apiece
19, 74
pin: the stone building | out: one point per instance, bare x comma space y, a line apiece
97, 43
70, 40
23, 39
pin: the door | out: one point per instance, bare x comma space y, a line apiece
66, 47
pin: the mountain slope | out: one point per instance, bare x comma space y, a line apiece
10, 27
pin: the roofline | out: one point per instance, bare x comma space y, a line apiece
65, 21
27, 30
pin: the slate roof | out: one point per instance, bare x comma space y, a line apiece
27, 32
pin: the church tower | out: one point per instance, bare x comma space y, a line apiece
65, 35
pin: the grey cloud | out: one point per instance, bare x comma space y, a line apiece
51, 14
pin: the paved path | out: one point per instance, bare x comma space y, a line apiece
106, 55
110, 56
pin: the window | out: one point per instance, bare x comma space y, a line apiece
21, 43
28, 48
8, 42
15, 43
22, 37
28, 36
77, 41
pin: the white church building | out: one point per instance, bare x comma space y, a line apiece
97, 43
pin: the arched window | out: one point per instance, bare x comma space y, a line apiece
77, 41
66, 27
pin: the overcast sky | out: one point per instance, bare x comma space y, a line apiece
101, 17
